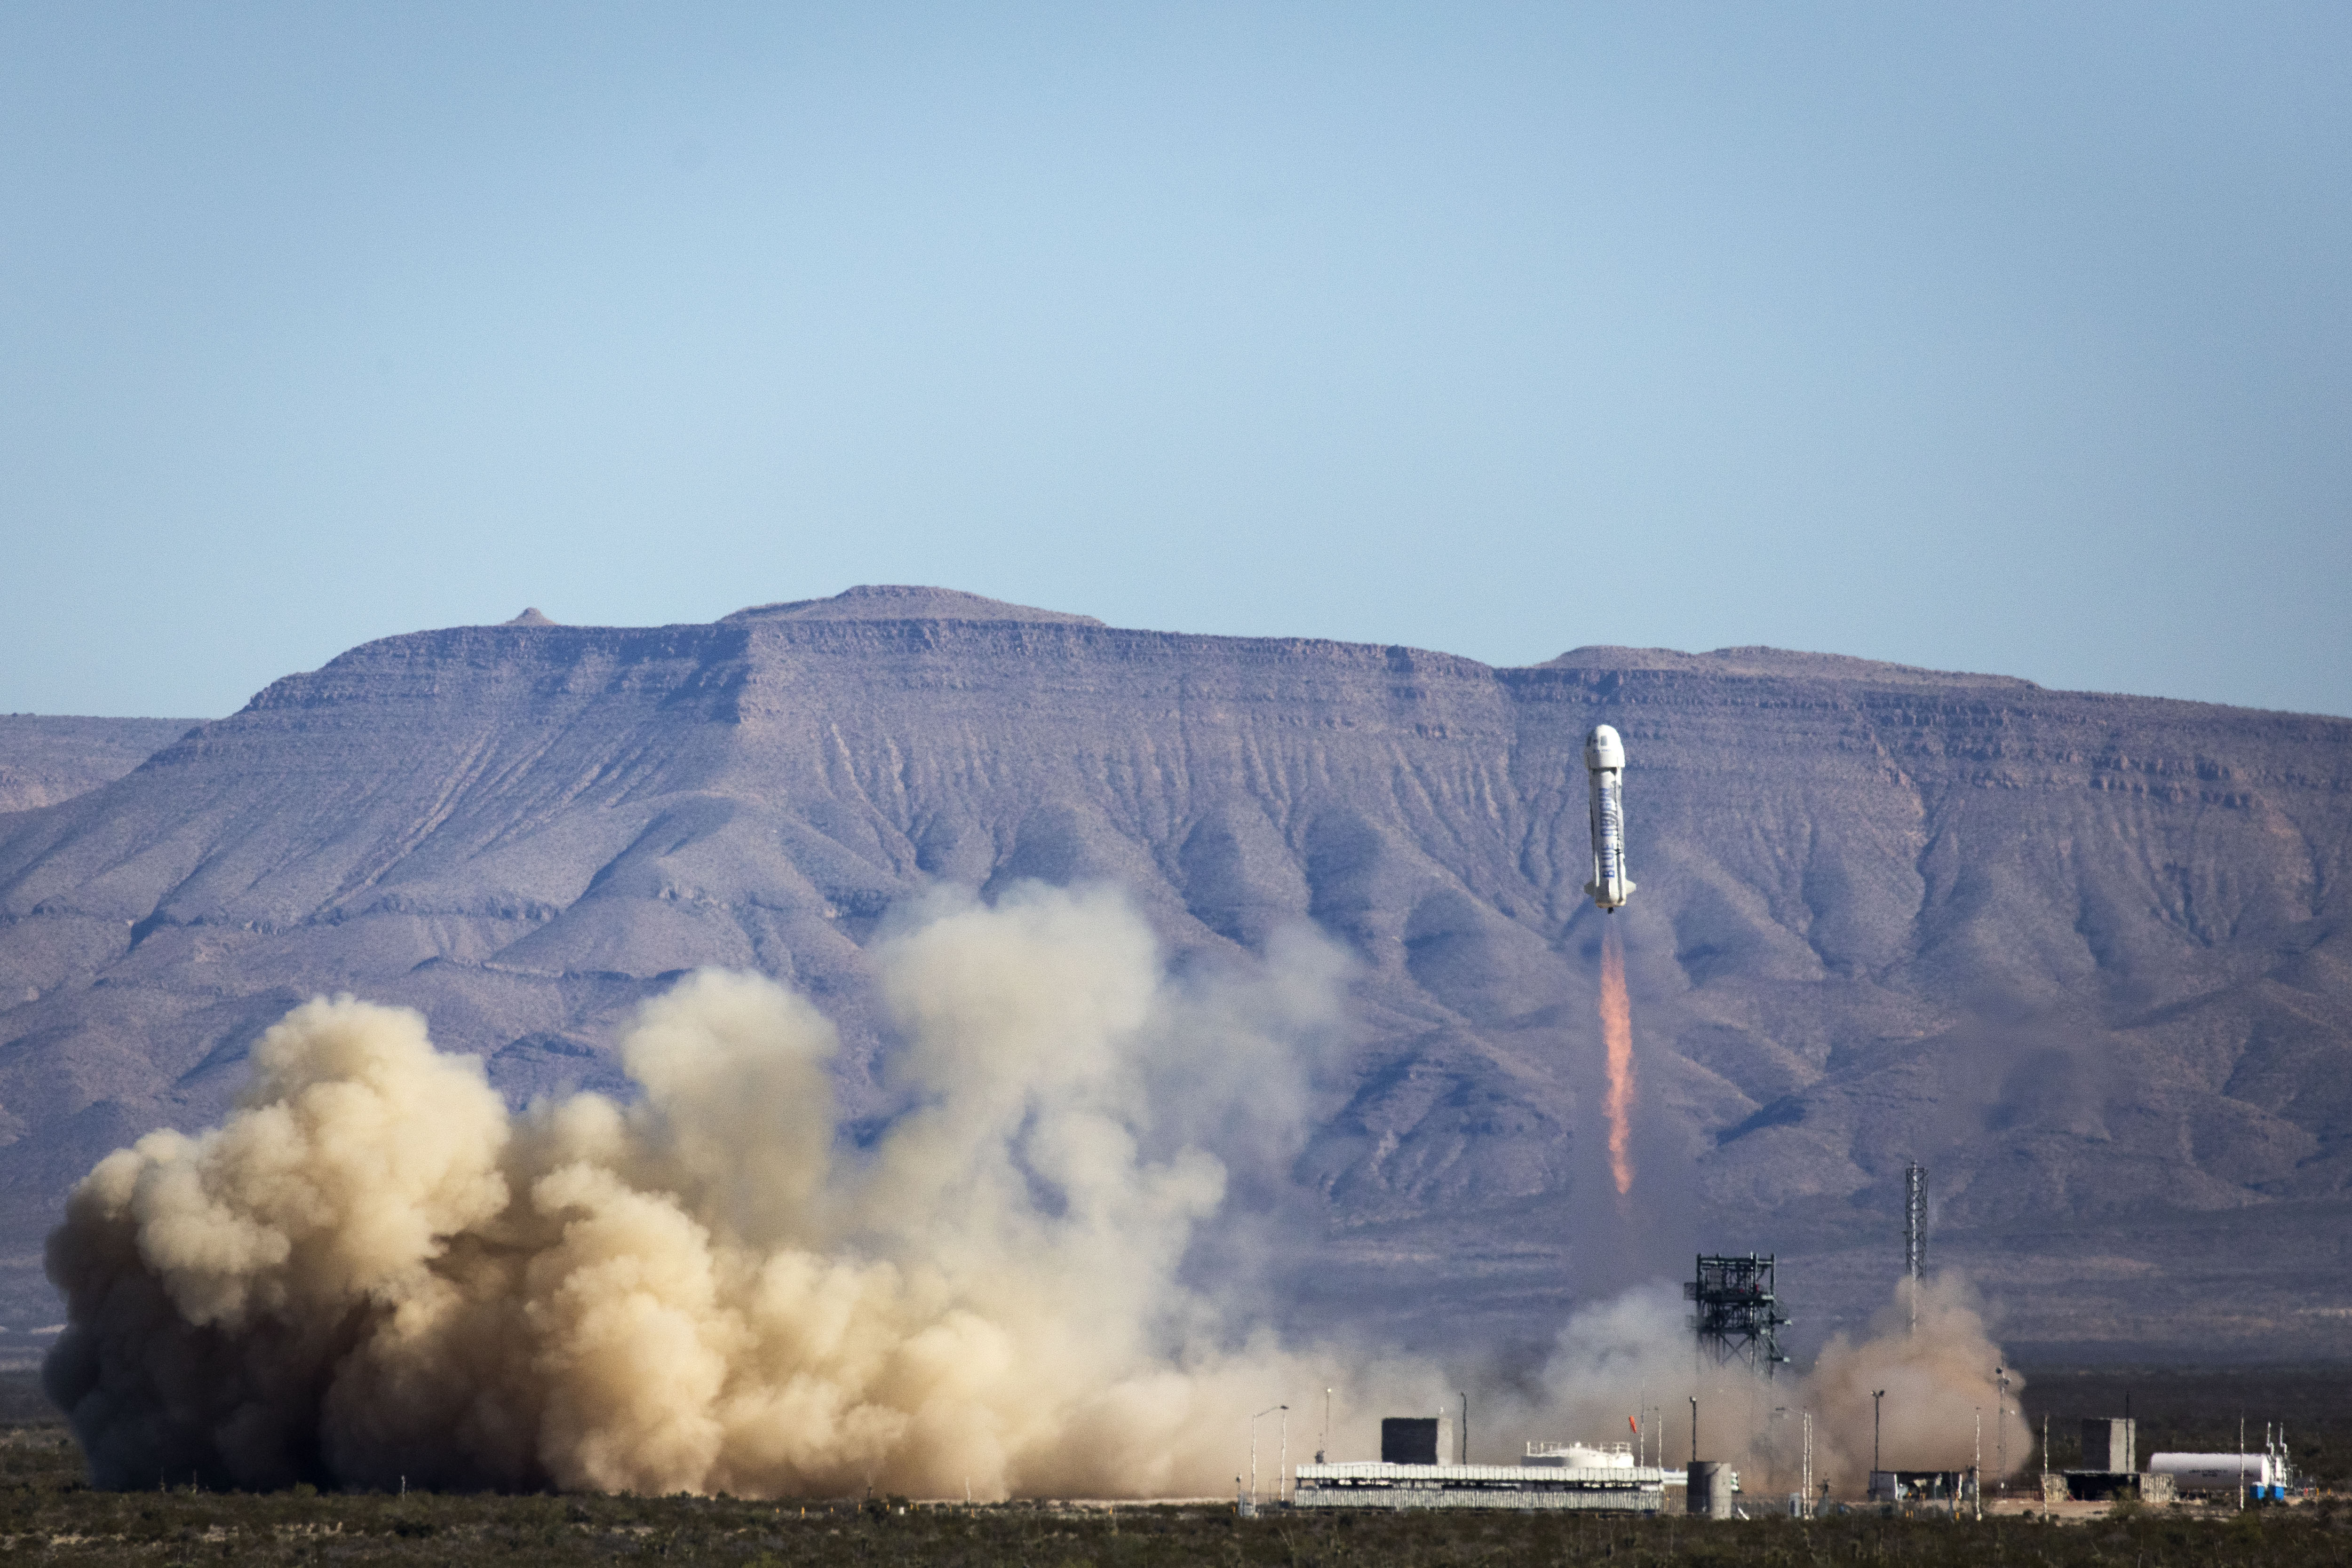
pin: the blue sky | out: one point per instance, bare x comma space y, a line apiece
2008, 338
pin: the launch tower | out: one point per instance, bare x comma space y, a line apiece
1738, 1318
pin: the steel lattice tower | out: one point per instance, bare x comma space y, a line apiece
1739, 1317
1915, 1232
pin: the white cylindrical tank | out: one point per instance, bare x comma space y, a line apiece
2218, 1472
1709, 1489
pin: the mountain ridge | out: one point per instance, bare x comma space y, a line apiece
45, 758
1758, 659
2079, 951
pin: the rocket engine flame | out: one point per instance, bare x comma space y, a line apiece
1617, 1034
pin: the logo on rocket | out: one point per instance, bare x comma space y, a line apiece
1604, 759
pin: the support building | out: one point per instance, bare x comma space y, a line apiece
1551, 1476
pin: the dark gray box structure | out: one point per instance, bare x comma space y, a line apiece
1409, 1440
2111, 1444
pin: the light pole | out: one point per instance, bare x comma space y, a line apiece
1282, 1475
1254, 1421
1975, 1471
1326, 1427
1875, 1396
1465, 1426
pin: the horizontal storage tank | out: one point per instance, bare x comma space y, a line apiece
2218, 1472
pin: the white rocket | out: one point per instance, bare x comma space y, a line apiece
1604, 759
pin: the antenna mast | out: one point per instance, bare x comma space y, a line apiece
1914, 1231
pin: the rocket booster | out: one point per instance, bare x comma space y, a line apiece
1604, 761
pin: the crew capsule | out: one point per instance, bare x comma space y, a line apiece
1605, 764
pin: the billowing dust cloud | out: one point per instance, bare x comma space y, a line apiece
1617, 1034
371, 1271
1632, 1356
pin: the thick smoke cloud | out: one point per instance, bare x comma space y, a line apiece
1632, 1355
1938, 1381
373, 1270
370, 1271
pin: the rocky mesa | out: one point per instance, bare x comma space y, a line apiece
2081, 954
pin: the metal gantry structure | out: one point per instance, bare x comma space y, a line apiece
1738, 1317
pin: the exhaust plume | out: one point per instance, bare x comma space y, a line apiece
1617, 1033
370, 1270
1937, 1380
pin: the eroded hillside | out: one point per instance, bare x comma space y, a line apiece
2081, 954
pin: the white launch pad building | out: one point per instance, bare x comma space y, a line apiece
1573, 1477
